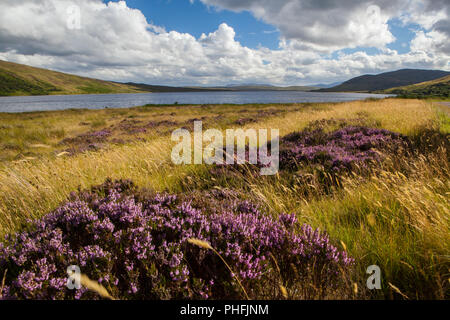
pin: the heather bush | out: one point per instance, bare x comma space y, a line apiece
135, 244
328, 147
90, 141
338, 150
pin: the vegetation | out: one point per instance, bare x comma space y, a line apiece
388, 206
137, 245
383, 81
17, 79
21, 80
438, 89
12, 85
35, 135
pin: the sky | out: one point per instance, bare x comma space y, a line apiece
221, 42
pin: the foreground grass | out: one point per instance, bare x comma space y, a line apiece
397, 218
398, 222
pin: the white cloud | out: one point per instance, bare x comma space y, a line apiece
116, 42
325, 25
426, 13
432, 43
328, 26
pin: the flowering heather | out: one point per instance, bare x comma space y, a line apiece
136, 245
87, 141
90, 137
244, 121
340, 149
133, 127
97, 140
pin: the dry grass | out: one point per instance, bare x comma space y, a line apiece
397, 219
95, 287
29, 189
27, 136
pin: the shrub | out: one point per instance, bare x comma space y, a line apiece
87, 141
136, 245
338, 150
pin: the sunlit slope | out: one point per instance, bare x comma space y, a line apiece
439, 88
17, 79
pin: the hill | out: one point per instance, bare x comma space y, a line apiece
259, 88
439, 88
22, 80
370, 83
18, 80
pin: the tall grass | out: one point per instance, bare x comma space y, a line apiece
397, 218
400, 222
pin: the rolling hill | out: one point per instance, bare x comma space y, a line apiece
371, 83
439, 88
22, 80
18, 80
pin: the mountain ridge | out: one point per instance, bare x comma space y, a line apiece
387, 80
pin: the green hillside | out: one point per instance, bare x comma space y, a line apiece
439, 88
384, 81
19, 80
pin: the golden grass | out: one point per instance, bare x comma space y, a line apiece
397, 220
400, 222
95, 287
402, 116
30, 189
39, 134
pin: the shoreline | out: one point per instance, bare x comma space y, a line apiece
18, 104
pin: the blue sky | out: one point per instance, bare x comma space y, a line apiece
196, 18
218, 42
403, 34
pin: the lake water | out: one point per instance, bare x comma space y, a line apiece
101, 101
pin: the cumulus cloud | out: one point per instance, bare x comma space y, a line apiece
323, 24
116, 42
434, 17
332, 25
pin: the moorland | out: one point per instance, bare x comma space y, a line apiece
98, 188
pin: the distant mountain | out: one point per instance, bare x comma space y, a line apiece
439, 88
370, 83
156, 88
325, 86
19, 80
263, 88
248, 85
